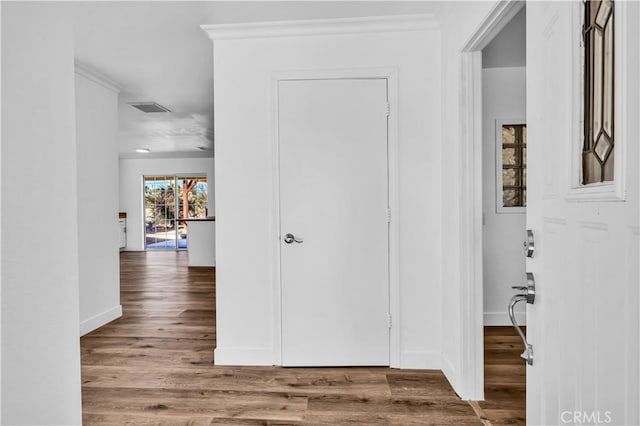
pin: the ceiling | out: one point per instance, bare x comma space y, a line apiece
155, 51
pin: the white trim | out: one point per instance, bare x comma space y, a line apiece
468, 379
421, 360
1, 254
500, 208
471, 373
606, 191
493, 23
450, 372
321, 27
502, 318
97, 77
391, 75
395, 348
275, 263
97, 321
243, 356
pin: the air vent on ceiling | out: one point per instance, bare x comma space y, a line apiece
148, 107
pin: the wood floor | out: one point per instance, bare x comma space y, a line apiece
154, 366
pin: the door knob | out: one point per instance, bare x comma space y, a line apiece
290, 238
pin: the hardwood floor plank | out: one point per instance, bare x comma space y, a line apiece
431, 384
112, 419
119, 344
150, 359
197, 404
257, 379
411, 407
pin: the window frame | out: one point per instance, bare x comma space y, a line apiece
173, 178
500, 122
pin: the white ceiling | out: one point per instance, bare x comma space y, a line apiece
156, 52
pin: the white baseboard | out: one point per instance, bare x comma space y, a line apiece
449, 372
502, 318
428, 360
424, 360
244, 356
97, 321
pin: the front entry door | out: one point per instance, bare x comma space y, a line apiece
584, 323
334, 203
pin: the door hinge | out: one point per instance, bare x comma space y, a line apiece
388, 109
389, 320
388, 215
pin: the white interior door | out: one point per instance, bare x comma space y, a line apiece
584, 323
334, 200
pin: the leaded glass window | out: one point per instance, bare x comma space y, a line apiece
514, 165
597, 152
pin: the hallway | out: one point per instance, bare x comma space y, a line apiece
153, 366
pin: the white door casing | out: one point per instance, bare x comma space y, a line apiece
467, 377
584, 325
334, 197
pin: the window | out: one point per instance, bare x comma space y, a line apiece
598, 143
512, 166
164, 228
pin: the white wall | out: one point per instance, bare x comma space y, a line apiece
248, 327
458, 22
1, 259
131, 173
97, 162
509, 48
40, 338
503, 97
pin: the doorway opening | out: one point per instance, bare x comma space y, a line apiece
476, 385
168, 200
504, 201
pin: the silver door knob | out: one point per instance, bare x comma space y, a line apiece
290, 238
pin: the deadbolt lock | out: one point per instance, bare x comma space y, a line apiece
529, 245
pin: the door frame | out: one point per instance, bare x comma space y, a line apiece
470, 190
390, 74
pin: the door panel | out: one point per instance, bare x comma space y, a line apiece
584, 323
333, 196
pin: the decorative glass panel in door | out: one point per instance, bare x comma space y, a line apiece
599, 140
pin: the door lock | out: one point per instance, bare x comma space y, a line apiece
529, 289
290, 238
529, 245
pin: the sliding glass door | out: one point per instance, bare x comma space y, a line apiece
168, 200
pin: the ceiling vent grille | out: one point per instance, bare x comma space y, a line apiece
148, 107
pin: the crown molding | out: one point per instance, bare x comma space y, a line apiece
498, 18
373, 24
97, 77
